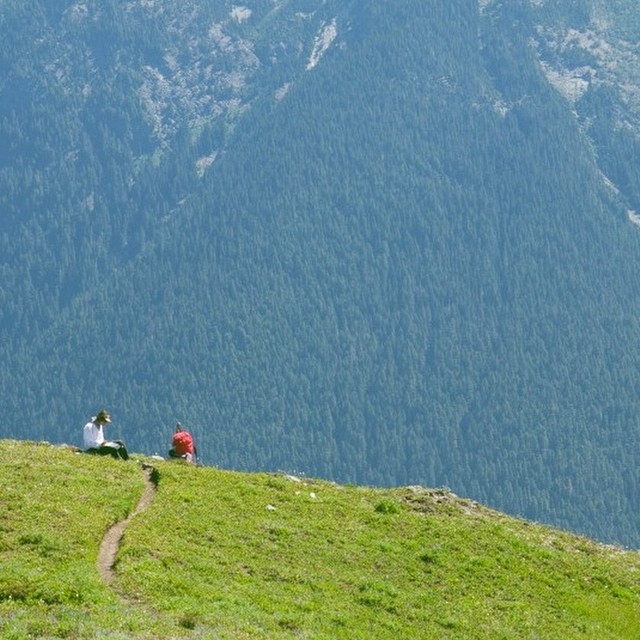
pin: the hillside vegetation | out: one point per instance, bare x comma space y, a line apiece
228, 555
383, 243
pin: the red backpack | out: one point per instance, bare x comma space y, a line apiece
182, 443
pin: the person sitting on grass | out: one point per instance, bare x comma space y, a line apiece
182, 445
94, 440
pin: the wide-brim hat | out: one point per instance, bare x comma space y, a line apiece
103, 416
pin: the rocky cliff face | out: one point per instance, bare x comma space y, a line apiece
193, 64
189, 63
588, 52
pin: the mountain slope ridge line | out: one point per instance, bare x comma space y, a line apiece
228, 554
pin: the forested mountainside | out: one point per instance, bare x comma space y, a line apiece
378, 242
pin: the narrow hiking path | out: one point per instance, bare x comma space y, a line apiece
111, 542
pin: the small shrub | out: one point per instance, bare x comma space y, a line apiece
387, 506
188, 621
31, 538
430, 557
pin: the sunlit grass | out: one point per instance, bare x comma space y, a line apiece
55, 506
221, 554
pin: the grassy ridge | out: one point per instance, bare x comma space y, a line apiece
220, 554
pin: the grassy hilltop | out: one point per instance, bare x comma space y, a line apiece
221, 554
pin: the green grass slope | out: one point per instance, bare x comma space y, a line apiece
221, 554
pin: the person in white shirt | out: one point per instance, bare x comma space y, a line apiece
95, 442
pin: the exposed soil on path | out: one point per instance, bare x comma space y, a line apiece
111, 541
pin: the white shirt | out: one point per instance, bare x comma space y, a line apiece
93, 436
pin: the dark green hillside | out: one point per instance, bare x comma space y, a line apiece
398, 265
212, 553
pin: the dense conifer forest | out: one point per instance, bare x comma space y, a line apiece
378, 242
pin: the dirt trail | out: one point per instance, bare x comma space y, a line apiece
111, 541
